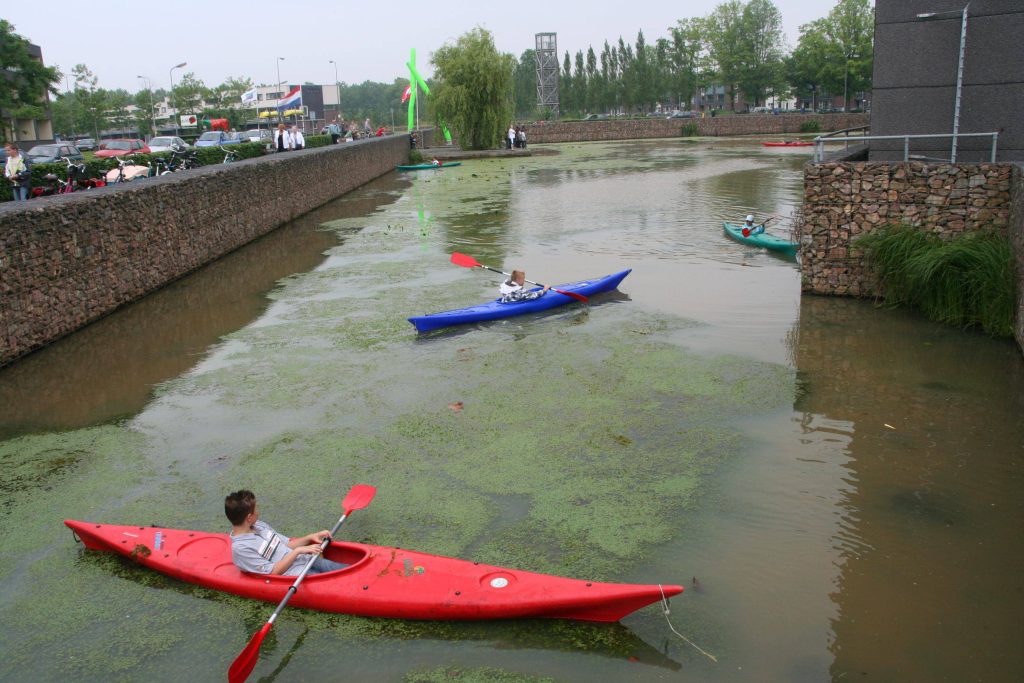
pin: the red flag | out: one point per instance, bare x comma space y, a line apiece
407, 93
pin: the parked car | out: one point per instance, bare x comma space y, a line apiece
121, 146
262, 136
85, 144
214, 138
680, 114
596, 117
166, 143
45, 154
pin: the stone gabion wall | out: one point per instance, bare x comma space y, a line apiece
846, 200
634, 129
66, 261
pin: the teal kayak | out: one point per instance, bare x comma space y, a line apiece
427, 167
765, 240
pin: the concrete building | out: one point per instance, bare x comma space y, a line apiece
918, 49
28, 132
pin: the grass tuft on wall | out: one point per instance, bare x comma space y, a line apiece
967, 281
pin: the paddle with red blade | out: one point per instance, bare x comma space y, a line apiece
359, 496
746, 230
470, 262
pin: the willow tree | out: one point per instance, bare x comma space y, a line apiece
473, 95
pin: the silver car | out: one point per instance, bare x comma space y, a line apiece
167, 143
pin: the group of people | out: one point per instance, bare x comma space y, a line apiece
516, 137
287, 139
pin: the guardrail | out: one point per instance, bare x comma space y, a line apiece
819, 142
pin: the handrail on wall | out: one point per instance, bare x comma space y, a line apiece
819, 141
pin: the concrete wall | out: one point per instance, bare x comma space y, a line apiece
845, 200
915, 74
633, 129
66, 261
1017, 236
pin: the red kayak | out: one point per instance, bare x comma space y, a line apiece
379, 581
788, 143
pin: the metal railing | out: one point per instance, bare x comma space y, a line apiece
819, 142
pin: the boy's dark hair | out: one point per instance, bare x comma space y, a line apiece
239, 505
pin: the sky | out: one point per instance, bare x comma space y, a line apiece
120, 41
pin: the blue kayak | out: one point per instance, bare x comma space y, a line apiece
428, 167
764, 239
495, 310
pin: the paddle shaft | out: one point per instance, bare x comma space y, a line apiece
747, 230
574, 295
358, 498
295, 586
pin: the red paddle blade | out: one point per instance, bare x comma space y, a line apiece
246, 662
574, 295
464, 261
358, 497
746, 232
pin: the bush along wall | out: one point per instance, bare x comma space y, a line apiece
966, 281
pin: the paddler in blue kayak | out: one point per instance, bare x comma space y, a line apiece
512, 289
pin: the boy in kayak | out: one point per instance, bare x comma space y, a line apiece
258, 549
512, 290
749, 228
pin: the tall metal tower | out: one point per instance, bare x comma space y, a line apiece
547, 71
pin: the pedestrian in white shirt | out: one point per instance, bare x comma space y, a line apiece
284, 141
300, 141
511, 136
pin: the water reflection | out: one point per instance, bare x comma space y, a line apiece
930, 538
164, 334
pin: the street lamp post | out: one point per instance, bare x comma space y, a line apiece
171, 72
959, 69
337, 91
278, 65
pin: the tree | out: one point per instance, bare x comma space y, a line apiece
26, 82
689, 58
725, 36
524, 84
91, 101
187, 95
474, 88
835, 53
760, 68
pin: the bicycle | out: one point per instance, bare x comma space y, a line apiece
127, 170
229, 155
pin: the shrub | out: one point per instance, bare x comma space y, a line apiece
690, 130
318, 140
810, 126
415, 156
967, 281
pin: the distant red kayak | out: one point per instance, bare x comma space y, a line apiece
788, 143
379, 581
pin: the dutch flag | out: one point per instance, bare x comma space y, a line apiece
292, 100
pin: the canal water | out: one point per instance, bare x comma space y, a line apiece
837, 485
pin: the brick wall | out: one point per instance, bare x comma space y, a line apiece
633, 129
845, 200
66, 261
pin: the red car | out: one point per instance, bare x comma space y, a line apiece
121, 147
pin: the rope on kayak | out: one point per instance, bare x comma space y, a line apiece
664, 606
